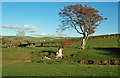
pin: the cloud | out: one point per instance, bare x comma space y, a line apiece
43, 34
25, 28
59, 34
54, 34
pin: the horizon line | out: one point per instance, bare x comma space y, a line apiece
62, 36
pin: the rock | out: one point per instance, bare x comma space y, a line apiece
84, 62
90, 62
98, 62
46, 58
105, 62
27, 60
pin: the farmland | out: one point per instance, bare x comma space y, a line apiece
96, 49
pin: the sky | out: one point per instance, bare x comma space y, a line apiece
60, 0
42, 18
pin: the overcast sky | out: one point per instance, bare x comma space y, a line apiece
42, 18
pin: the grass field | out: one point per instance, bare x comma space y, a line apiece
99, 49
35, 39
37, 69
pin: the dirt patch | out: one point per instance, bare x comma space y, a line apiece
37, 37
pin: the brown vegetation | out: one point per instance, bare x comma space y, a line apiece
101, 62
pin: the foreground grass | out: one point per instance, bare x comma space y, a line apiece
37, 69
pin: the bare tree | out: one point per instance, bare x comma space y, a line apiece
21, 33
83, 19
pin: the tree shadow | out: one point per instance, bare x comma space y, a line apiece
49, 52
25, 45
51, 46
38, 46
47, 46
112, 51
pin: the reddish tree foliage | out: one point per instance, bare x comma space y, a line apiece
83, 19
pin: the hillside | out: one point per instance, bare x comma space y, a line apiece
30, 59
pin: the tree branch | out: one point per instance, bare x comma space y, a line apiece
79, 24
76, 28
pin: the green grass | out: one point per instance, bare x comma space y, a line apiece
99, 49
10, 55
34, 39
37, 69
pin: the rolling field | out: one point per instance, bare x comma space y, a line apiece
99, 49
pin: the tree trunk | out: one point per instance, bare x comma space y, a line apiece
59, 53
83, 44
84, 41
